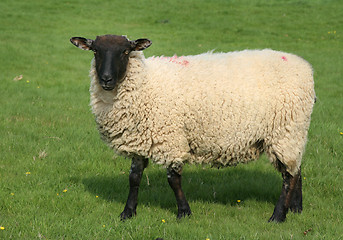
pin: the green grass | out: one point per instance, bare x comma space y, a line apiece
46, 127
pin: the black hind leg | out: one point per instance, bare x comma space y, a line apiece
290, 197
296, 204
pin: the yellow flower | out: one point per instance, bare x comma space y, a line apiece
304, 178
2, 228
163, 220
65, 190
12, 193
238, 201
96, 196
58, 194
103, 225
341, 133
27, 81
208, 239
28, 173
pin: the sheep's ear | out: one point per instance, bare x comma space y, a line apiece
140, 44
83, 43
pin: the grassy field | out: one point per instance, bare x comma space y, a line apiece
59, 181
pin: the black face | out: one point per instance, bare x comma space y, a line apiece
111, 56
111, 59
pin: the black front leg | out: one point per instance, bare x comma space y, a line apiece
174, 180
137, 167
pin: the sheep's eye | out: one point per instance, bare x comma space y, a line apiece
126, 52
94, 51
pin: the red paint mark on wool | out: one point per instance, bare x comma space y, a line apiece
174, 59
284, 58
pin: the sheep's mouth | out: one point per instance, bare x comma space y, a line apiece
108, 88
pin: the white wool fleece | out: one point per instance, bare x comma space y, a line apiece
216, 108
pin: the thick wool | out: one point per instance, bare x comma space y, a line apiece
213, 108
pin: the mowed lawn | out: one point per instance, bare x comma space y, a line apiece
58, 180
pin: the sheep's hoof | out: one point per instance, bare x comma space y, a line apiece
184, 213
296, 208
127, 213
277, 218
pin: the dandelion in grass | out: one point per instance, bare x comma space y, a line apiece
65, 190
164, 221
238, 201
96, 196
28, 173
208, 239
304, 178
341, 133
2, 228
103, 225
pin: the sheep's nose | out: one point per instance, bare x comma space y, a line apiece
106, 78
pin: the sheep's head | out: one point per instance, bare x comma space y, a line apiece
111, 56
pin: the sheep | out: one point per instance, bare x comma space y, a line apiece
214, 108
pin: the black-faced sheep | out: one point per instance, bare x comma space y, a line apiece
215, 108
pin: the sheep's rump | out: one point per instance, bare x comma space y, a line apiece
226, 108
217, 108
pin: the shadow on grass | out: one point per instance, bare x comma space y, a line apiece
224, 186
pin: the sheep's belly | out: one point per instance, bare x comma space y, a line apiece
230, 157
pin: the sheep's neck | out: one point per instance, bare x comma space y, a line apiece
103, 101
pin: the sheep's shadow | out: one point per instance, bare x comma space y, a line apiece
224, 186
